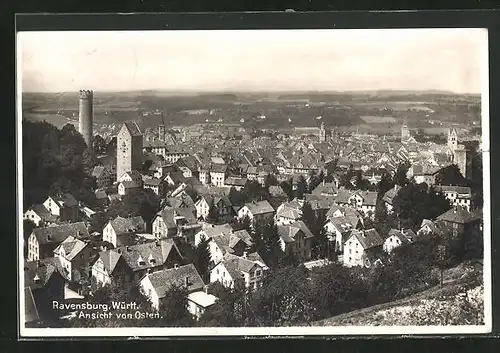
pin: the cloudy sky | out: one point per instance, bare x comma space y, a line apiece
343, 60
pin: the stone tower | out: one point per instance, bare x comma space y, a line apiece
86, 115
405, 133
452, 139
128, 149
463, 159
322, 133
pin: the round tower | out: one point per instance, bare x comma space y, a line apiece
86, 115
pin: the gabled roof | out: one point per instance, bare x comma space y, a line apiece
152, 181
65, 200
325, 188
276, 191
130, 184
290, 210
390, 194
109, 259
158, 251
458, 215
167, 215
290, 231
236, 181
212, 231
123, 225
259, 207
56, 234
133, 128
218, 168
72, 247
163, 280
37, 275
343, 224
400, 235
238, 263
368, 238
43, 213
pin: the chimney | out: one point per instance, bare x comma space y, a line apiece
176, 266
205, 289
244, 254
128, 248
186, 281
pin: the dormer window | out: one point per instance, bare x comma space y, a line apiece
37, 278
140, 261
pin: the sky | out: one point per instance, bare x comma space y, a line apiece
253, 60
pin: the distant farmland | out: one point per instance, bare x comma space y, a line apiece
378, 119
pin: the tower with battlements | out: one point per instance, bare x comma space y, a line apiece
86, 115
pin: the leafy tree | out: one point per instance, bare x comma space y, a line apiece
385, 184
301, 187
89, 160
203, 260
213, 213
99, 145
336, 291
287, 187
236, 197
139, 202
243, 223
450, 175
253, 191
173, 307
411, 205
320, 240
308, 216
400, 178
271, 243
437, 204
270, 181
284, 298
98, 221
347, 177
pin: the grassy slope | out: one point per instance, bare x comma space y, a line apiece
455, 280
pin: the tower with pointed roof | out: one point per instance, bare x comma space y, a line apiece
128, 149
322, 133
452, 139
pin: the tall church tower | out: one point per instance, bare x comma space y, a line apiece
322, 133
128, 149
452, 139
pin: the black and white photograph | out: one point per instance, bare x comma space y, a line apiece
253, 182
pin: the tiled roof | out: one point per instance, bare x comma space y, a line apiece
368, 238
130, 184
458, 215
213, 231
343, 224
72, 247
128, 225
133, 128
290, 231
153, 254
98, 170
152, 181
235, 181
289, 210
110, 259
56, 234
65, 200
218, 168
389, 195
400, 235
260, 207
326, 188
43, 213
238, 263
163, 280
38, 275
276, 191
453, 188
202, 299
167, 215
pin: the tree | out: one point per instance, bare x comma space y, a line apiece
301, 187
320, 240
385, 184
271, 244
270, 181
203, 260
98, 221
173, 307
213, 212
450, 175
139, 202
411, 205
243, 223
308, 215
400, 178
89, 160
346, 178
437, 204
253, 191
287, 187
99, 145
